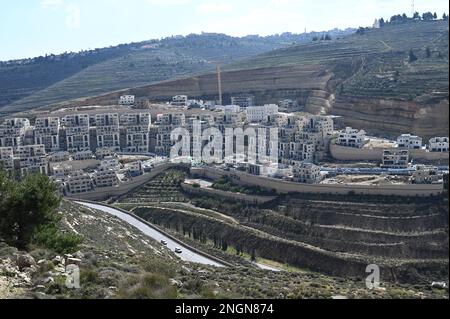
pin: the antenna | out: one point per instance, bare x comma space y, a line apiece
413, 8
219, 83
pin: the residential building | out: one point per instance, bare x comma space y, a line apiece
134, 168
136, 130
105, 177
46, 132
260, 113
307, 173
83, 155
180, 101
351, 138
126, 100
60, 156
165, 124
409, 141
426, 175
12, 132
438, 144
78, 182
395, 159
243, 100
6, 158
103, 152
107, 130
31, 159
288, 104
76, 128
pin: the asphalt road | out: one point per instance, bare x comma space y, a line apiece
186, 254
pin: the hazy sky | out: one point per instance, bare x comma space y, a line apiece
36, 27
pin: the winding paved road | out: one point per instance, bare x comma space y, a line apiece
187, 254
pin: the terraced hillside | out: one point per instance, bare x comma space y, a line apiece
337, 235
368, 79
30, 83
118, 261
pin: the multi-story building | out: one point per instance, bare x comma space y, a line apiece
409, 141
6, 158
180, 101
136, 130
426, 175
306, 173
126, 100
103, 152
229, 109
351, 137
438, 144
105, 177
12, 132
78, 182
107, 130
243, 100
76, 128
165, 124
60, 156
260, 113
46, 132
31, 159
134, 168
82, 155
396, 159
288, 104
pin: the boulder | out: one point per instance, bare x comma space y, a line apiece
25, 261
73, 261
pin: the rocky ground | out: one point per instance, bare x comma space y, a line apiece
117, 261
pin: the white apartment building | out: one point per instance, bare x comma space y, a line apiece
165, 123
83, 155
243, 100
134, 168
46, 132
60, 156
105, 177
229, 109
76, 127
103, 152
409, 141
31, 159
107, 129
288, 104
6, 158
180, 101
12, 132
307, 173
438, 144
136, 129
126, 100
426, 175
110, 162
260, 113
351, 138
78, 182
396, 159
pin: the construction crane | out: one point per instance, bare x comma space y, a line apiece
219, 83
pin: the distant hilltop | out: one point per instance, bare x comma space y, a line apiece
30, 83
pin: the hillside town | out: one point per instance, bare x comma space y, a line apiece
80, 150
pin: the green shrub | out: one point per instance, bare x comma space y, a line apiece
51, 237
